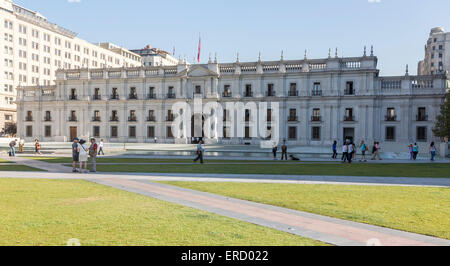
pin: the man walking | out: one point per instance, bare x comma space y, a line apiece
75, 155
93, 155
100, 148
200, 151
12, 148
21, 144
284, 148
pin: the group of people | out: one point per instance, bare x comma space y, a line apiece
349, 151
21, 142
414, 151
284, 153
81, 152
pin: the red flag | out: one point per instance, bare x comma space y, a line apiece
199, 49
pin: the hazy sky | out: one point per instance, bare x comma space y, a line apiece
398, 29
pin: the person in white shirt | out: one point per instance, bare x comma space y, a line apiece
83, 150
100, 148
344, 153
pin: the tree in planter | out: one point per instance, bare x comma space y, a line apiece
11, 129
442, 128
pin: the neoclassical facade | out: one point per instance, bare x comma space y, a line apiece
318, 101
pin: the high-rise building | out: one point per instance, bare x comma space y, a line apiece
32, 49
437, 53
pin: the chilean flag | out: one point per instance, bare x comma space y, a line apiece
199, 49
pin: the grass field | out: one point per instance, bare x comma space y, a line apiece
419, 210
50, 212
383, 170
18, 168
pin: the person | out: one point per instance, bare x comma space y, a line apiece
376, 151
293, 158
75, 155
364, 149
284, 149
344, 153
274, 151
37, 147
411, 152
199, 152
353, 150
83, 155
21, 144
349, 151
100, 148
93, 155
415, 151
12, 148
432, 151
334, 150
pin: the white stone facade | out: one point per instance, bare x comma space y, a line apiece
320, 101
32, 49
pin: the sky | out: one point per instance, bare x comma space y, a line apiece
398, 29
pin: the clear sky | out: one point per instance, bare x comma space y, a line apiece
398, 29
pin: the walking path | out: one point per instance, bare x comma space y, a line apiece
330, 230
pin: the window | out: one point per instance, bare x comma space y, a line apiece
349, 115
390, 116
132, 132
317, 91
151, 93
422, 114
270, 90
293, 89
73, 94
169, 117
248, 90
292, 115
48, 116
150, 132
114, 132
114, 117
269, 115
151, 116
132, 117
292, 133
133, 94
316, 115
170, 93
48, 131
390, 133
29, 116
247, 115
96, 131
115, 94
226, 132
422, 134
315, 134
169, 133
29, 131
247, 132
198, 89
349, 90
226, 91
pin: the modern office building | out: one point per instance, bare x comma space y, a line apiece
32, 49
318, 101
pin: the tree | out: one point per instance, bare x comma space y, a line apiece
442, 128
11, 129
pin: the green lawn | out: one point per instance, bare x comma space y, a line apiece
18, 168
50, 212
419, 210
386, 170
5, 161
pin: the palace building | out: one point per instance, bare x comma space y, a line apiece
318, 101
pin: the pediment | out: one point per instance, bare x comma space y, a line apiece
200, 71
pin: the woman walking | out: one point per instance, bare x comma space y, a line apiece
274, 151
37, 147
83, 155
364, 149
415, 151
411, 153
432, 151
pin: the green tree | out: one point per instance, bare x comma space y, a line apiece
442, 128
